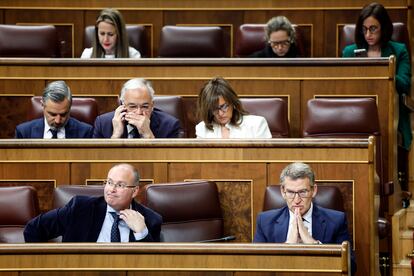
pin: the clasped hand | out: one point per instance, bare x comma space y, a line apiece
141, 122
298, 232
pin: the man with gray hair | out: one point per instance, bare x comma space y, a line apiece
301, 221
136, 116
56, 121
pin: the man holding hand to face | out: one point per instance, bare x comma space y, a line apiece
136, 116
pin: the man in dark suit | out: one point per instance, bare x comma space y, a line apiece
56, 122
115, 217
301, 221
136, 117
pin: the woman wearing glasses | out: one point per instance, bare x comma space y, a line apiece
281, 39
373, 33
223, 116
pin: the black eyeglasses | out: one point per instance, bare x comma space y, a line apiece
283, 43
302, 194
224, 107
118, 185
372, 29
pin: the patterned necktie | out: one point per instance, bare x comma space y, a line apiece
115, 234
54, 133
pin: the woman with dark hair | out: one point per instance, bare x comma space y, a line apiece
281, 39
111, 38
223, 116
373, 33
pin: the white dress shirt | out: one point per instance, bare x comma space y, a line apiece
307, 220
252, 126
105, 234
47, 134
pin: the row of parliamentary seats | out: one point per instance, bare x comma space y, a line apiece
175, 41
183, 223
323, 117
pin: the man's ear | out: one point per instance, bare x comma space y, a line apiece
135, 192
315, 190
282, 191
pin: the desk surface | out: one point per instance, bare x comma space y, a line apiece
175, 257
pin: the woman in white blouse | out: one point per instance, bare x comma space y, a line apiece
223, 116
111, 38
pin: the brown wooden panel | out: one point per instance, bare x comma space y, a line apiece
183, 257
14, 110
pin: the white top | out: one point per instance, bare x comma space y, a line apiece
252, 126
133, 53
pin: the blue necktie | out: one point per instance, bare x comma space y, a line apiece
54, 133
115, 234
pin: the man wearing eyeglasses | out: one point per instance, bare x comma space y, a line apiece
113, 217
300, 221
136, 116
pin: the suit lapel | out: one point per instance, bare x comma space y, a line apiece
281, 226
97, 219
39, 128
318, 224
155, 123
70, 130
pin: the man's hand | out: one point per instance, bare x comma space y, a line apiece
141, 122
134, 220
304, 235
118, 122
293, 236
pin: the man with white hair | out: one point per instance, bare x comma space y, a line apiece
136, 116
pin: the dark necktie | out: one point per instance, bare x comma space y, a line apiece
115, 234
54, 133
134, 132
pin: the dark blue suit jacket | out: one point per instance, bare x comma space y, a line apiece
328, 226
162, 125
81, 219
35, 129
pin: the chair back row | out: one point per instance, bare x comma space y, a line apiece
175, 41
273, 109
342, 118
191, 210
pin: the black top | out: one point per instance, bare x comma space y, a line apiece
267, 52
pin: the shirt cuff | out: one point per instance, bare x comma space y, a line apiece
141, 235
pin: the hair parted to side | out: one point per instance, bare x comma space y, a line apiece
208, 99
135, 84
379, 12
280, 23
132, 168
296, 171
114, 17
57, 91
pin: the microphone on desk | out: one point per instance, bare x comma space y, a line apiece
223, 239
